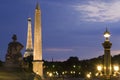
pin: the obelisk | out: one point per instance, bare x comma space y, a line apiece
37, 53
29, 46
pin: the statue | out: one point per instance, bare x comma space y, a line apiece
14, 55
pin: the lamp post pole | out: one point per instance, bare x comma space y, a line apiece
107, 56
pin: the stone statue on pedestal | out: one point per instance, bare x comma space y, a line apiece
14, 56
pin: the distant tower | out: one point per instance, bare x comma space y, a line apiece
107, 56
29, 46
37, 54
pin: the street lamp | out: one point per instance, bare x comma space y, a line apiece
107, 55
50, 75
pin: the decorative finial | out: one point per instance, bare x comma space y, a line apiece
14, 37
37, 6
29, 19
106, 29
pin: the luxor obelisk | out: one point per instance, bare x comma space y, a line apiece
37, 53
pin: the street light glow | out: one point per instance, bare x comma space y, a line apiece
88, 75
99, 68
50, 74
116, 68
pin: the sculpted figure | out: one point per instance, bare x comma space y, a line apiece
13, 52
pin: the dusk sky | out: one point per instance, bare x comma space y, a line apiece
69, 27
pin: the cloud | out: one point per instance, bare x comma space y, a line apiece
98, 11
58, 49
115, 52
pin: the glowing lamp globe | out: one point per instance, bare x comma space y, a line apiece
106, 34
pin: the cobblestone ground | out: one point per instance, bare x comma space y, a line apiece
65, 79
15, 74
19, 74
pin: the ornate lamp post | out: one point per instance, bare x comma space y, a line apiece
50, 75
107, 56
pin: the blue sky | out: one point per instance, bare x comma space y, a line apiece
69, 27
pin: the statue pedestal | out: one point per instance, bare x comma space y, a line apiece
11, 65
